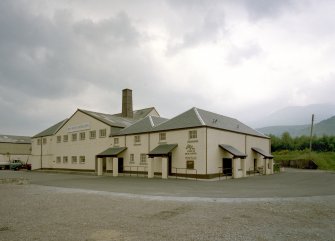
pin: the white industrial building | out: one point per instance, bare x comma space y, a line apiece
196, 143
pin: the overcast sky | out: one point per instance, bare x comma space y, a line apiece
241, 58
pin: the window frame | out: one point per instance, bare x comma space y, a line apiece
192, 134
74, 135
93, 134
162, 134
103, 133
82, 136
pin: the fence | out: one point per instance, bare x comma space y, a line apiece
135, 171
225, 172
186, 174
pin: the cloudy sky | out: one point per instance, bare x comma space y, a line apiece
239, 58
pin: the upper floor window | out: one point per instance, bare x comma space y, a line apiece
65, 138
74, 136
44, 141
59, 139
65, 159
82, 135
162, 136
39, 142
116, 141
93, 134
74, 160
102, 132
137, 139
192, 134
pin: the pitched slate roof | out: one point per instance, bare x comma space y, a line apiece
109, 119
15, 139
51, 130
139, 114
197, 117
146, 124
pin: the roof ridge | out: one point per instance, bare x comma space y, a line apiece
199, 117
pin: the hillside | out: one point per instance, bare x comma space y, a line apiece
296, 115
325, 127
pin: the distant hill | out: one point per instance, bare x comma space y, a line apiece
296, 115
325, 127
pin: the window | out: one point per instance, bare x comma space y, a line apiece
93, 134
74, 137
143, 159
74, 160
65, 138
82, 159
192, 135
64, 159
137, 139
58, 159
131, 159
44, 141
116, 141
102, 132
162, 136
39, 142
190, 164
82, 136
59, 139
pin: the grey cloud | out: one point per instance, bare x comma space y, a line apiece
239, 54
258, 9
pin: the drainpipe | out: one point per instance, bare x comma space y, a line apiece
41, 151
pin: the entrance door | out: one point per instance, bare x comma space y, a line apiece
170, 165
255, 164
227, 166
104, 164
120, 164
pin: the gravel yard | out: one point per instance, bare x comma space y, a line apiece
39, 212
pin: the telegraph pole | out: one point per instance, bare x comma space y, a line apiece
310, 137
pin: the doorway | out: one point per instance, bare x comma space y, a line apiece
227, 166
169, 165
120, 164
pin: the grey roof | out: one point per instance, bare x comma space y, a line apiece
262, 152
139, 114
112, 151
232, 150
162, 150
15, 139
109, 119
197, 117
146, 124
51, 130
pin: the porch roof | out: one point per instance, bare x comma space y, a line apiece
232, 150
162, 150
262, 152
112, 152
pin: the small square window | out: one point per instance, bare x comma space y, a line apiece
74, 160
59, 139
162, 136
58, 159
82, 159
65, 138
143, 159
131, 159
137, 139
44, 141
74, 137
192, 134
116, 141
82, 136
65, 159
102, 132
93, 134
190, 164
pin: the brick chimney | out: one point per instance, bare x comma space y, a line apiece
127, 103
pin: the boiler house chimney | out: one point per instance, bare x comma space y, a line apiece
127, 103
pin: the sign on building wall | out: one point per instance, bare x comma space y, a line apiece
190, 153
80, 127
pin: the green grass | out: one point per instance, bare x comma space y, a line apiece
324, 160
